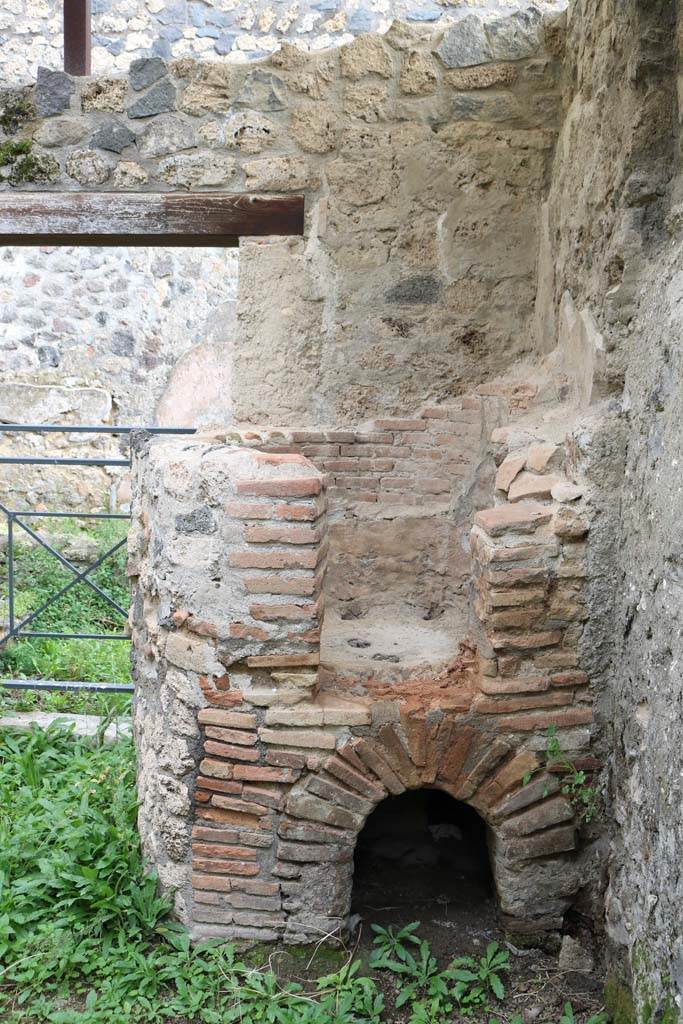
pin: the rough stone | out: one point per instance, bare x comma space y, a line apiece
465, 43
145, 72
157, 100
202, 170
262, 91
113, 136
366, 55
104, 94
54, 90
60, 131
166, 134
419, 75
87, 167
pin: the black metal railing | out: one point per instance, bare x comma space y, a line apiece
16, 628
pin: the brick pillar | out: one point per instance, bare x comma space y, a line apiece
227, 554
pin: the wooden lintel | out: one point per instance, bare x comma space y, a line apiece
141, 218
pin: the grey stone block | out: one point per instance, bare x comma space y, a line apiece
158, 100
145, 72
465, 44
54, 90
113, 136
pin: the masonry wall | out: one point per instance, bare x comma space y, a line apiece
613, 297
124, 31
259, 759
109, 336
424, 159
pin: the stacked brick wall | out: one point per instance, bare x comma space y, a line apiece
529, 571
418, 461
256, 775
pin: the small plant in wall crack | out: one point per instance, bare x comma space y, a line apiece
584, 797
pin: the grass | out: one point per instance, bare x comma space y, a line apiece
38, 576
85, 938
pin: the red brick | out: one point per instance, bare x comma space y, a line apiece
400, 424
229, 719
219, 785
414, 730
297, 487
506, 778
369, 755
569, 679
522, 517
292, 612
303, 512
212, 882
229, 751
517, 618
282, 660
222, 852
492, 753
216, 769
202, 797
275, 559
551, 812
269, 796
516, 684
503, 705
224, 817
455, 755
395, 754
211, 865
280, 458
503, 577
542, 844
217, 835
281, 535
285, 759
249, 510
301, 586
255, 886
526, 641
239, 736
229, 817
513, 598
261, 773
564, 719
348, 753
247, 807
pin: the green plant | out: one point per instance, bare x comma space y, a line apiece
389, 941
568, 1016
37, 577
476, 980
584, 797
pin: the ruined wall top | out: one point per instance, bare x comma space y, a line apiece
31, 31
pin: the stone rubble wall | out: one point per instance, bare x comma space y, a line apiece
611, 290
273, 767
423, 158
129, 29
102, 336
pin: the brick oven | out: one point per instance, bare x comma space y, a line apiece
289, 678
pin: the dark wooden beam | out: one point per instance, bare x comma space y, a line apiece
77, 37
138, 218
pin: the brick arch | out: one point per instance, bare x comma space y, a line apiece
531, 827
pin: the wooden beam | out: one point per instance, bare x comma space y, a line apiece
77, 37
139, 218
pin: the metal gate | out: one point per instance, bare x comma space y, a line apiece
20, 627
